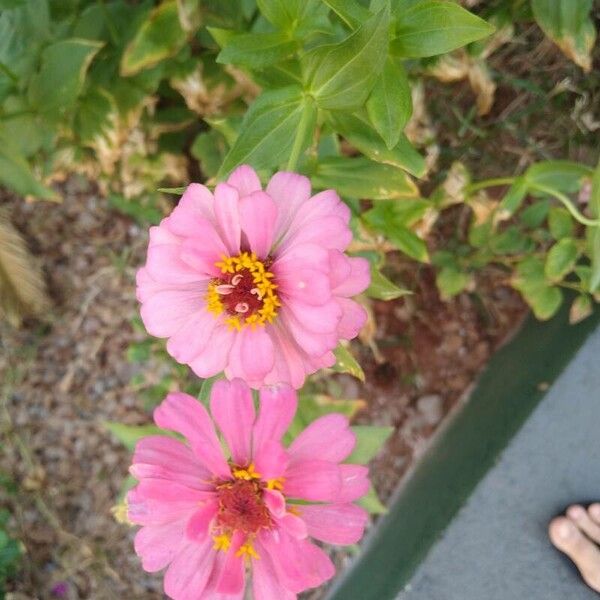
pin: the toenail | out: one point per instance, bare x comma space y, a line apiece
576, 512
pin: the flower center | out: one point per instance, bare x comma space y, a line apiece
245, 291
241, 507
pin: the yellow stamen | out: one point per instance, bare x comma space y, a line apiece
247, 550
265, 290
275, 484
246, 474
222, 542
120, 512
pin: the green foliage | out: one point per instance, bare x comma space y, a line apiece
434, 27
11, 549
568, 24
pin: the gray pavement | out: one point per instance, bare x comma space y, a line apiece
496, 548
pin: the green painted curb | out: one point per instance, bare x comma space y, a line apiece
467, 447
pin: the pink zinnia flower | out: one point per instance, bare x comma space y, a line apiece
212, 516
254, 283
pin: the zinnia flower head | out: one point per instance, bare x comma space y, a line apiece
215, 516
253, 283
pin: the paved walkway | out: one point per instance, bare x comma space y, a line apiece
496, 548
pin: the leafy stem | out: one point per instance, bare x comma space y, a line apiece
301, 135
486, 183
568, 205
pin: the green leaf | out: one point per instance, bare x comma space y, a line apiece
159, 36
360, 133
533, 216
561, 259
269, 129
568, 24
369, 440
16, 174
593, 233
346, 363
561, 175
363, 178
209, 148
55, 88
341, 76
581, 309
313, 406
177, 191
560, 222
451, 281
513, 198
530, 280
256, 50
129, 435
349, 11
371, 503
382, 288
434, 27
288, 15
390, 104
206, 389
410, 243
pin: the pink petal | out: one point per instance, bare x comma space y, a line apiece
165, 312
298, 563
146, 286
355, 483
159, 235
203, 251
313, 480
341, 524
194, 208
198, 525
232, 409
157, 545
289, 191
232, 576
323, 318
329, 231
245, 180
327, 438
164, 264
289, 364
188, 574
198, 198
354, 316
293, 525
275, 502
258, 214
314, 344
278, 405
356, 281
270, 460
299, 282
228, 216
162, 457
192, 337
265, 581
151, 502
184, 414
252, 355
213, 359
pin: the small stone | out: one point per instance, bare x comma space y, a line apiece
431, 407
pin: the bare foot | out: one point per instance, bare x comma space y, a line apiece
577, 535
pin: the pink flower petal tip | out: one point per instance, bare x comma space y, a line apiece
212, 514
253, 282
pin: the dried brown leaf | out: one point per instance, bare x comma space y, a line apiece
22, 287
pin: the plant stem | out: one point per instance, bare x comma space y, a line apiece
300, 137
568, 205
486, 183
